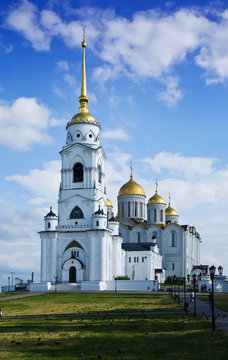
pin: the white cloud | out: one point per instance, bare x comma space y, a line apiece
28, 120
117, 134
43, 183
62, 65
180, 165
172, 94
25, 19
149, 45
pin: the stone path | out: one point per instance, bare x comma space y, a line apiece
19, 296
203, 309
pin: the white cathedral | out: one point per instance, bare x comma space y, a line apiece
85, 243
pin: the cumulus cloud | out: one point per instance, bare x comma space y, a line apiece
180, 165
117, 134
149, 45
25, 19
28, 120
43, 183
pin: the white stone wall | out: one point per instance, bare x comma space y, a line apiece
131, 210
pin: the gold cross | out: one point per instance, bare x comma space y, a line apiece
84, 31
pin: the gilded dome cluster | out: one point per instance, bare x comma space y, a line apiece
131, 188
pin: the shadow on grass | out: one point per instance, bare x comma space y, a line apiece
160, 338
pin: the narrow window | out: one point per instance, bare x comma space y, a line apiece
76, 213
161, 213
97, 223
143, 259
148, 215
78, 172
129, 208
134, 259
173, 239
137, 259
138, 237
141, 210
129, 259
122, 209
77, 253
99, 174
173, 266
136, 209
155, 215
49, 225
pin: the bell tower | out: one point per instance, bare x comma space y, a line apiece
82, 188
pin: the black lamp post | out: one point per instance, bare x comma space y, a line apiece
178, 288
185, 303
56, 278
212, 275
194, 291
220, 270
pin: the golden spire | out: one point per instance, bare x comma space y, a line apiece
83, 99
169, 199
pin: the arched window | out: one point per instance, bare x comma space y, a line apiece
136, 209
78, 172
141, 210
76, 213
99, 174
97, 223
161, 215
148, 215
155, 215
49, 225
122, 209
129, 208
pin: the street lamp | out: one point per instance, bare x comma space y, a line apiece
212, 275
194, 291
185, 303
188, 278
220, 270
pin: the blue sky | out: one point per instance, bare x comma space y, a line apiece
157, 81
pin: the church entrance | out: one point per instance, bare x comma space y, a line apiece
72, 274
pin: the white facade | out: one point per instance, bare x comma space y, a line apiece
85, 243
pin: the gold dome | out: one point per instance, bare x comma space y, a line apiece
156, 199
131, 188
170, 211
108, 203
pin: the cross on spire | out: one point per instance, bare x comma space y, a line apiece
84, 31
131, 169
156, 184
169, 199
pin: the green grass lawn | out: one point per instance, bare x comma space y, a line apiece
64, 303
221, 300
131, 337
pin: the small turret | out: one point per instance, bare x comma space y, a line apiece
99, 219
51, 221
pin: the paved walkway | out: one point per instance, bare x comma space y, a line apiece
3, 298
203, 309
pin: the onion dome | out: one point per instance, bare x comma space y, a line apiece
131, 188
83, 115
51, 214
108, 203
170, 211
156, 199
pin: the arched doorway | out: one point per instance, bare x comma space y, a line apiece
72, 274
